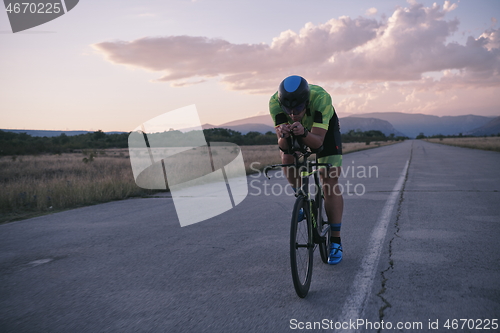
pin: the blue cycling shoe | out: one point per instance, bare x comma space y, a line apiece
335, 254
301, 215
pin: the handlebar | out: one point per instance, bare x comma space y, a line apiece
294, 147
310, 164
274, 166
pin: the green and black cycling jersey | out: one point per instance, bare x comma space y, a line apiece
319, 113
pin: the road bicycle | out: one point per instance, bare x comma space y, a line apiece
313, 231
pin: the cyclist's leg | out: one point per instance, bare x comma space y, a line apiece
292, 176
334, 206
334, 202
332, 154
290, 173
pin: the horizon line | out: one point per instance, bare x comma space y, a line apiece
215, 126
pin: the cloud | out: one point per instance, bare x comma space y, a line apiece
242, 66
402, 48
448, 6
187, 83
491, 39
423, 96
371, 11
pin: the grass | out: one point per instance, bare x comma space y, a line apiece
484, 143
261, 156
33, 185
41, 184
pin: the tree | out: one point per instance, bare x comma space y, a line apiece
63, 138
98, 135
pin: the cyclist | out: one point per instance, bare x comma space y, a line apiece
306, 111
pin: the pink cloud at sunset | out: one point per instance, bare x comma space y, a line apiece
404, 58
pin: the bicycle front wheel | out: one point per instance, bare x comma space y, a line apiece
301, 248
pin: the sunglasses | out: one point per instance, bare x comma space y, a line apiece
296, 110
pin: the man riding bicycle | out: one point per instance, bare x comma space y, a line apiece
306, 111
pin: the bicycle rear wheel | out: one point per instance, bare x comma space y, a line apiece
324, 246
301, 248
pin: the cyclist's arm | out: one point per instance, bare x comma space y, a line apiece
324, 111
315, 138
282, 132
282, 127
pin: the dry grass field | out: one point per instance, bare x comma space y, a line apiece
34, 185
261, 156
37, 184
484, 143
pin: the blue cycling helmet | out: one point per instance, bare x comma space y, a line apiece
293, 94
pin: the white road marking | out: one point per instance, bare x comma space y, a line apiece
356, 301
40, 262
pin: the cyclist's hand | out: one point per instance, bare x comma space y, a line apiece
297, 128
284, 130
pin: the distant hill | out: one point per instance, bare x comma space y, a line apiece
491, 127
368, 124
244, 129
414, 124
261, 124
49, 134
204, 126
399, 123
264, 119
264, 124
406, 124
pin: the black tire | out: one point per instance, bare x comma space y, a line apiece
324, 247
301, 248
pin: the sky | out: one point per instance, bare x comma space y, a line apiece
114, 64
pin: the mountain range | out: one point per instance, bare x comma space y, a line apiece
414, 124
491, 127
401, 124
50, 133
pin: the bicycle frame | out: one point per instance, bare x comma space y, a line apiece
306, 168
317, 228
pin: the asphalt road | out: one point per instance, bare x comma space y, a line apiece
421, 234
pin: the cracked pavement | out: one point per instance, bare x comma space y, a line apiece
443, 255
128, 266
